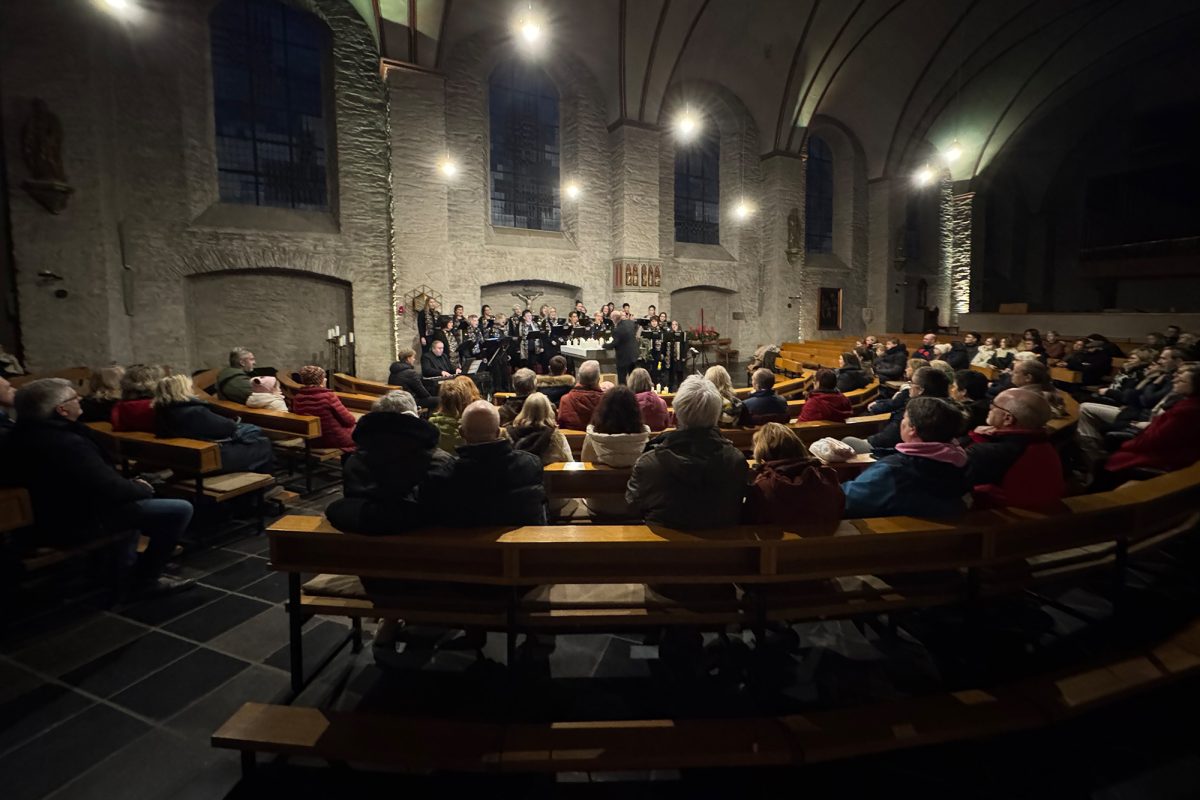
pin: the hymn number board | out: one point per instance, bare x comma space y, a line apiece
637, 275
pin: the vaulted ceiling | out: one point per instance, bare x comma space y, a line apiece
899, 74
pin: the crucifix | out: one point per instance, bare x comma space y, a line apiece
527, 295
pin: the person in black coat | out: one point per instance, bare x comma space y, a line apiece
178, 413
435, 363
383, 480
625, 342
890, 366
403, 374
850, 374
1094, 361
958, 356
763, 405
77, 493
927, 382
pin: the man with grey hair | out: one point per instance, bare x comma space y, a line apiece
78, 495
577, 406
1011, 461
524, 383
233, 382
385, 480
693, 477
763, 405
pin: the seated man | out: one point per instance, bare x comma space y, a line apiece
576, 407
694, 477
500, 485
1097, 419
397, 454
435, 363
403, 374
524, 383
926, 382
1094, 361
763, 405
925, 477
927, 349
890, 366
1034, 376
1170, 440
1011, 461
78, 495
558, 382
233, 382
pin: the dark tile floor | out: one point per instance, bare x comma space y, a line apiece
120, 702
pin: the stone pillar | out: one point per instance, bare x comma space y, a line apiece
940, 291
960, 253
420, 230
885, 297
634, 194
780, 297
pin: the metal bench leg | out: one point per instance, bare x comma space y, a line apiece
295, 634
308, 467
356, 642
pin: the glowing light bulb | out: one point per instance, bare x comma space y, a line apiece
953, 152
573, 190
531, 32
448, 167
743, 210
924, 175
687, 125
120, 7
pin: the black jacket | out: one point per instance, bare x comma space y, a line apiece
851, 378
383, 481
403, 375
70, 480
624, 341
1094, 363
192, 420
432, 366
512, 406
891, 365
958, 357
693, 478
492, 484
763, 403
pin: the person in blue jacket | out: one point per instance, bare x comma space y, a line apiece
925, 477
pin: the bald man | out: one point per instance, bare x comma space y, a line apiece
1011, 461
491, 483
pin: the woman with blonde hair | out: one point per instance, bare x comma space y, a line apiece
731, 405
535, 430
134, 411
789, 486
453, 397
178, 413
103, 394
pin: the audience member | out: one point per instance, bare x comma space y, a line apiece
926, 351
1003, 357
265, 392
1189, 345
763, 405
233, 382
534, 430
504, 485
104, 390
790, 487
313, 399
1124, 389
1156, 382
1094, 362
1011, 461
576, 407
616, 437
926, 382
524, 383
1155, 340
957, 356
694, 477
1055, 348
1034, 376
985, 353
825, 403
970, 390
403, 373
971, 342
944, 368
135, 411
733, 412
890, 366
558, 382
865, 350
925, 476
396, 455
1170, 440
435, 363
654, 409
453, 397
178, 413
79, 496
1031, 342
1171, 338
850, 374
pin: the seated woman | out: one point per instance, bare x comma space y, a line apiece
535, 430
789, 487
732, 412
615, 437
558, 382
134, 412
654, 408
265, 392
1169, 441
453, 397
825, 403
179, 413
103, 394
850, 374
985, 353
314, 400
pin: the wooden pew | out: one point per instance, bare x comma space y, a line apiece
342, 382
294, 435
80, 378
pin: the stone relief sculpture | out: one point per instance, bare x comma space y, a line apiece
794, 243
41, 149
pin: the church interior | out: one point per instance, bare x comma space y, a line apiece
643, 399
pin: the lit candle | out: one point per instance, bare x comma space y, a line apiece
351, 337
328, 334
341, 341
337, 330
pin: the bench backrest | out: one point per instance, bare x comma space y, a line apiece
301, 425
348, 383
188, 456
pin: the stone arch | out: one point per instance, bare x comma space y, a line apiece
719, 303
499, 295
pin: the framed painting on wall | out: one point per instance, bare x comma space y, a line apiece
829, 309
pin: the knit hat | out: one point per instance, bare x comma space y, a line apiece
264, 384
312, 376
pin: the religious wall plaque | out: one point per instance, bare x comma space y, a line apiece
637, 274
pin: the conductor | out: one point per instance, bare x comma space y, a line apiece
625, 341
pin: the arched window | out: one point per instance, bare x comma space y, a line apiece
698, 189
524, 174
269, 69
818, 198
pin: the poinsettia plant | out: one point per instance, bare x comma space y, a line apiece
703, 334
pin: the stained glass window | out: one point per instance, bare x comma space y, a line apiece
818, 198
524, 151
698, 189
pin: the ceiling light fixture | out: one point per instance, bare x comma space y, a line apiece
528, 28
743, 209
687, 125
573, 191
448, 167
119, 7
953, 152
923, 176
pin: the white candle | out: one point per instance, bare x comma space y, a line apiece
351, 337
341, 341
328, 333
337, 330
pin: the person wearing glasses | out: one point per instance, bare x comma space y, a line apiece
77, 493
1011, 461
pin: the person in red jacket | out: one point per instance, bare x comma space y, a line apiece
825, 403
133, 412
1171, 440
576, 407
314, 400
1011, 461
790, 487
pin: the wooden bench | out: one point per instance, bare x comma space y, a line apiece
294, 436
80, 378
